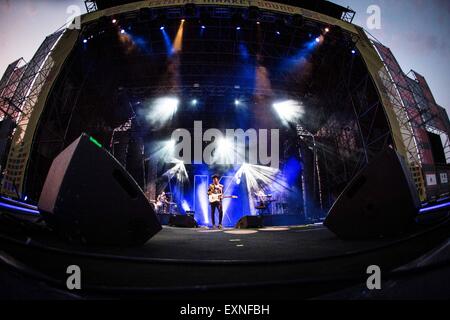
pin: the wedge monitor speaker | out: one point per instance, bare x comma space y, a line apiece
89, 197
380, 201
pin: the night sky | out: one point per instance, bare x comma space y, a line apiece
416, 31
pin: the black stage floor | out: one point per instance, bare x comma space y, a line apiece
310, 260
272, 244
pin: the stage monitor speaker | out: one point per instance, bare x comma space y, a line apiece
88, 197
163, 218
250, 222
182, 221
380, 201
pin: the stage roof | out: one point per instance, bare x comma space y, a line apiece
322, 6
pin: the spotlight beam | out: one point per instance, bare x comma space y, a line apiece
289, 111
162, 110
178, 43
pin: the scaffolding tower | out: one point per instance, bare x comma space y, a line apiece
19, 90
418, 115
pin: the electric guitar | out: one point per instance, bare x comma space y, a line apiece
217, 197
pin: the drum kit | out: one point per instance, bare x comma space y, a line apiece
268, 204
164, 205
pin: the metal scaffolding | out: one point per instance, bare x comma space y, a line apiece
20, 90
91, 5
348, 15
418, 115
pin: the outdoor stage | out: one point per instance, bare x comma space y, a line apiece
300, 113
308, 260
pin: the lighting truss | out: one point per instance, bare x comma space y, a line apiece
91, 5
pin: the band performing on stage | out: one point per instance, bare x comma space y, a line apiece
263, 203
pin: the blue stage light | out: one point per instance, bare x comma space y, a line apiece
237, 102
185, 206
167, 41
353, 51
85, 41
243, 50
122, 31
161, 28
203, 27
238, 28
194, 102
435, 207
19, 208
318, 39
278, 33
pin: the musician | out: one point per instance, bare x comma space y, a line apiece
261, 196
263, 201
162, 202
216, 188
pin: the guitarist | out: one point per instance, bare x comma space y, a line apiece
216, 188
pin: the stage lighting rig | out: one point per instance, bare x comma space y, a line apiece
190, 10
253, 13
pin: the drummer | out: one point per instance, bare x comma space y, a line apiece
162, 203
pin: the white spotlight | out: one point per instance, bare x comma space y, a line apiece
225, 145
236, 102
194, 102
165, 151
289, 111
162, 110
170, 144
185, 206
225, 151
